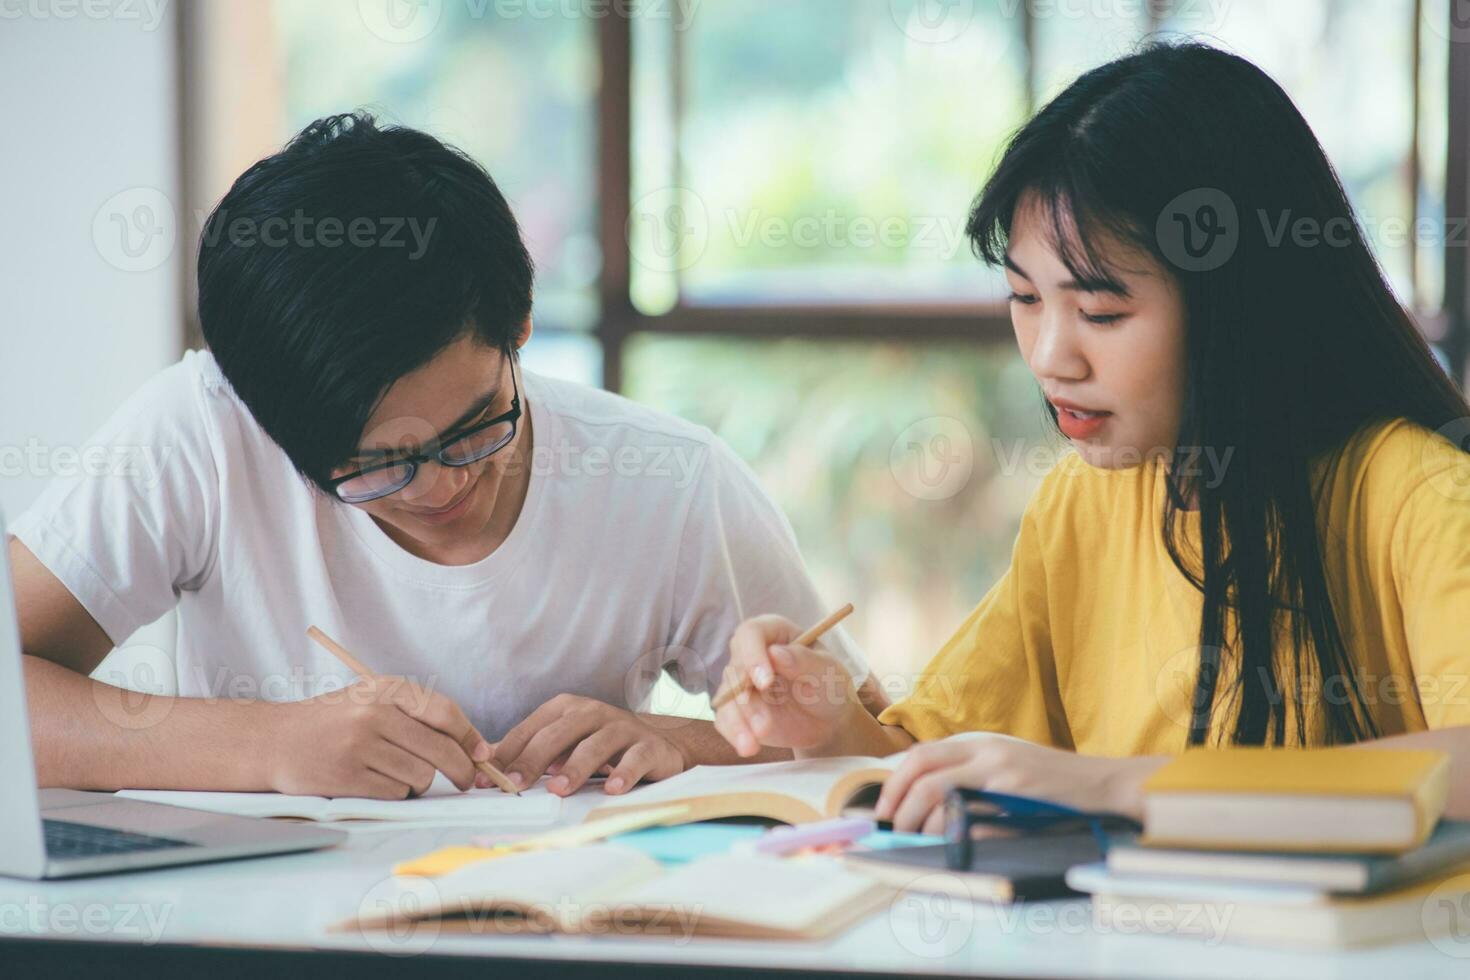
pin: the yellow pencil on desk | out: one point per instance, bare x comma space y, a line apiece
337, 650
806, 639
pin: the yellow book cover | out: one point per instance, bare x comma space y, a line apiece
1337, 771
1298, 783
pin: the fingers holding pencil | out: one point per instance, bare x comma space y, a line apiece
428, 707
779, 690
755, 638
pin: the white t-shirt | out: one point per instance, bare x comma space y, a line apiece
642, 543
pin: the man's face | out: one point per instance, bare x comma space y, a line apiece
465, 385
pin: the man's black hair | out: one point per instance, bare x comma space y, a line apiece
345, 261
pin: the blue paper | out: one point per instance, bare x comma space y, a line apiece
685, 842
882, 840
688, 841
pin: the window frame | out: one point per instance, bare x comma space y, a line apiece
200, 31
619, 321
1454, 335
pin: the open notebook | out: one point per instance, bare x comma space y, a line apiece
791, 792
611, 889
441, 802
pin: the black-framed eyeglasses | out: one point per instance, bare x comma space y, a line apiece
480, 441
965, 809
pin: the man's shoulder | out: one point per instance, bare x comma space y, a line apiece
191, 380
190, 407
607, 417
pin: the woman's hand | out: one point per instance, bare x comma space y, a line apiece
382, 737
913, 797
801, 697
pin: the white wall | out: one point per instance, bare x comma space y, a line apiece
88, 114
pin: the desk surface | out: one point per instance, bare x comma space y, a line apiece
286, 903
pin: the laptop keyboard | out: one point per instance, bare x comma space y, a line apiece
73, 840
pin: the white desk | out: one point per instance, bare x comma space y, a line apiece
287, 902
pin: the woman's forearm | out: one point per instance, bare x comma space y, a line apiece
1456, 742
860, 733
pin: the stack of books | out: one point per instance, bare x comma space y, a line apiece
1307, 848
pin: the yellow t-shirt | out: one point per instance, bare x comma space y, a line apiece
1090, 639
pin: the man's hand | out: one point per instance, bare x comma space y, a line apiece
382, 737
575, 737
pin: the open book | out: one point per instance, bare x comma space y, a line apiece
790, 792
611, 889
442, 801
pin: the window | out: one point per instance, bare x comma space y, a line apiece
517, 93
750, 212
820, 152
903, 465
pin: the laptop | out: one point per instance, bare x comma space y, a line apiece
61, 833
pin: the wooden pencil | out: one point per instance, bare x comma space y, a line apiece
337, 650
806, 639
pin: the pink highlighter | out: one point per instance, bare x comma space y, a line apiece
823, 834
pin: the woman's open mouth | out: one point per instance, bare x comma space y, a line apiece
1077, 422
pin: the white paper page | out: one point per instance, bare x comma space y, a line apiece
441, 802
768, 892
239, 804
1096, 878
562, 882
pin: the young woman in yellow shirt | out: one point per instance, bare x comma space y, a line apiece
1263, 537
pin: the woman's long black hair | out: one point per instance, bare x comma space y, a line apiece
1292, 346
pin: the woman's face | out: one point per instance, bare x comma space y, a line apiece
1109, 356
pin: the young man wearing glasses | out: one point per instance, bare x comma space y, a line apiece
517, 558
